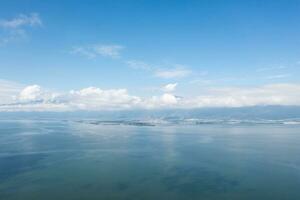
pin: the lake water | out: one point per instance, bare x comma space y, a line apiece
41, 160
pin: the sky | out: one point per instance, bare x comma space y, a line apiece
63, 55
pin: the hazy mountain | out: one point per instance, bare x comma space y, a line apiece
255, 112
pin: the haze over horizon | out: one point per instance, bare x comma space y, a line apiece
149, 99
116, 55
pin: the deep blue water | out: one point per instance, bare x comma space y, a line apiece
41, 160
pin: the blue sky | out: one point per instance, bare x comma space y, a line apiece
142, 46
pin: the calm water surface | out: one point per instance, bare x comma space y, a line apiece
41, 160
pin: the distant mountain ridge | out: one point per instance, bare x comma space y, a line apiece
242, 113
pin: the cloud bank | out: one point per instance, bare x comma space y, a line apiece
36, 98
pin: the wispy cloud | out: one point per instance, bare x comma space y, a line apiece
263, 69
202, 81
112, 51
92, 51
166, 71
16, 29
278, 76
172, 73
136, 64
21, 21
83, 52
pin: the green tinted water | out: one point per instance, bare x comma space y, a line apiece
70, 160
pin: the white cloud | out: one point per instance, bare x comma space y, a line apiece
16, 29
92, 51
31, 93
35, 93
164, 101
35, 98
168, 99
96, 98
172, 73
169, 87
